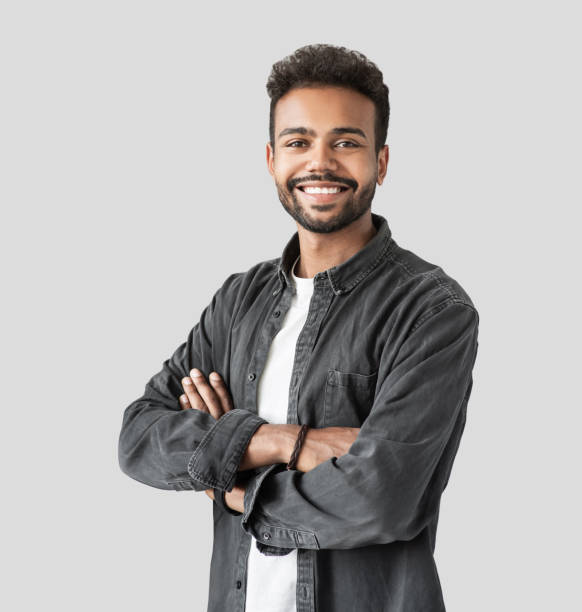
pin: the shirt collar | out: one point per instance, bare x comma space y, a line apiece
345, 276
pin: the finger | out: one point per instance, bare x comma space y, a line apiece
221, 390
207, 393
210, 493
184, 403
193, 396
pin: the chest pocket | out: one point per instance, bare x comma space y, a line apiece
348, 398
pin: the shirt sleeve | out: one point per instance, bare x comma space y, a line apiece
387, 487
166, 447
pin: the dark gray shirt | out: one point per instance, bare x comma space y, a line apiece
389, 345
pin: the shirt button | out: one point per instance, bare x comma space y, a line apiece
267, 535
276, 313
252, 376
238, 584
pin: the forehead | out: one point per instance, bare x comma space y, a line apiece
323, 108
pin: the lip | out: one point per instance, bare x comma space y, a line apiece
322, 198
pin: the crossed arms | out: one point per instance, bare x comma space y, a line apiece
270, 444
386, 487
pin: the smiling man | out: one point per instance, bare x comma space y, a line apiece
321, 398
326, 176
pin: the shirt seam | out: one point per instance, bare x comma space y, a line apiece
311, 534
437, 308
433, 274
384, 253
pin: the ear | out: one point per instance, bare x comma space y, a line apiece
383, 155
270, 159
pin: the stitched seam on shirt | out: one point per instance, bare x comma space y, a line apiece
436, 309
431, 274
396, 260
232, 468
296, 531
180, 482
205, 441
254, 491
384, 253
209, 481
210, 434
446, 287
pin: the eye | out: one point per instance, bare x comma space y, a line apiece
348, 143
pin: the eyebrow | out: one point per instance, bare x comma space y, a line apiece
310, 132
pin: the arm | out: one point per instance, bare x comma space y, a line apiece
269, 445
164, 446
274, 444
387, 487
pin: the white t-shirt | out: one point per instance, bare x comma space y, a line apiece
272, 580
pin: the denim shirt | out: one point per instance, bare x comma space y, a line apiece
388, 346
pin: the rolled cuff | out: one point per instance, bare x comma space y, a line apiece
271, 539
216, 460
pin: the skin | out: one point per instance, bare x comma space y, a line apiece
211, 396
270, 443
329, 234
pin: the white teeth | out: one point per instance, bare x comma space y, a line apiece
321, 189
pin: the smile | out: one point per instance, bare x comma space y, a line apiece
322, 189
322, 195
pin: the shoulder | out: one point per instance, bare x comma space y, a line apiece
249, 282
426, 288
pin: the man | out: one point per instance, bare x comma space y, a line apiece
363, 341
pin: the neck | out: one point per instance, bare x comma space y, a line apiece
322, 251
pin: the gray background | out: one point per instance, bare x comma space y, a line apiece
134, 181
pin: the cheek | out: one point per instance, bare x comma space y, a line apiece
361, 167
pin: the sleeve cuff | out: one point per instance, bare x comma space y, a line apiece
271, 537
215, 462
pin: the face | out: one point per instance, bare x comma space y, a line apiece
323, 162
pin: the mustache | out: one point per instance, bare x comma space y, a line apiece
327, 177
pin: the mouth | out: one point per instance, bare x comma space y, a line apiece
322, 193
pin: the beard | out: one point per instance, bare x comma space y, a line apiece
356, 203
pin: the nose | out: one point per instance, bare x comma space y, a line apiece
321, 158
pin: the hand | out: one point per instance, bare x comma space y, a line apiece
323, 444
234, 499
201, 396
213, 398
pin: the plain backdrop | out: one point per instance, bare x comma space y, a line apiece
133, 182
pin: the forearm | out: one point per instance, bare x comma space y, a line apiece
387, 487
270, 444
182, 449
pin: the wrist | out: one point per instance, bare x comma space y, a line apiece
293, 462
234, 500
286, 436
270, 444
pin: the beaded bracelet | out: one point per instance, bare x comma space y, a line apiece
298, 444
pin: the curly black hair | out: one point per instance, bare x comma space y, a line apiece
323, 64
